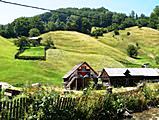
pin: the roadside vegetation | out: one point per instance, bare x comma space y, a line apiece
96, 106
45, 104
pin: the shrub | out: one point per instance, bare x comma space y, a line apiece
132, 51
49, 43
96, 31
139, 26
90, 106
136, 102
128, 33
116, 32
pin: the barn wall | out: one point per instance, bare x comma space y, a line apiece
104, 77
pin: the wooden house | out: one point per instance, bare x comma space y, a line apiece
127, 76
80, 76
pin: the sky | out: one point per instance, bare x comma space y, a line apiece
10, 12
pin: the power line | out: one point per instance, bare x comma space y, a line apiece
45, 9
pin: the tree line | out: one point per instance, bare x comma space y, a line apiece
102, 19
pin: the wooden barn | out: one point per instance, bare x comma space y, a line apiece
127, 76
79, 77
35, 41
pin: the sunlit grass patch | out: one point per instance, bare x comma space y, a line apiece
34, 51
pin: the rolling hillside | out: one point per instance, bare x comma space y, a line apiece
18, 71
147, 38
73, 48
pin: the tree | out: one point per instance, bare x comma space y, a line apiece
143, 16
36, 22
142, 22
60, 25
49, 43
105, 19
132, 14
132, 51
154, 18
73, 23
7, 31
86, 26
156, 10
118, 18
34, 32
100, 17
22, 42
51, 26
96, 32
21, 26
129, 22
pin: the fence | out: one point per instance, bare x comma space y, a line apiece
13, 110
18, 108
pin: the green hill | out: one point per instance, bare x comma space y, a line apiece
21, 71
147, 38
73, 48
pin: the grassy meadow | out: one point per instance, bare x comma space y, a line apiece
147, 38
34, 51
73, 48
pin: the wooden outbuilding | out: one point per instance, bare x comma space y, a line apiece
80, 76
35, 41
127, 76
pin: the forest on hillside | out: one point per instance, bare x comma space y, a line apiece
81, 20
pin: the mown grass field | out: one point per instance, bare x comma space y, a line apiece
73, 48
147, 38
34, 51
22, 71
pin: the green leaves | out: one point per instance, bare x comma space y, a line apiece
22, 42
34, 32
132, 50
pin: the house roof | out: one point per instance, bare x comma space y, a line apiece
115, 71
76, 67
34, 38
132, 71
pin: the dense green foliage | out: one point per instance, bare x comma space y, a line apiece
93, 106
22, 42
34, 32
74, 21
132, 51
48, 43
96, 31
